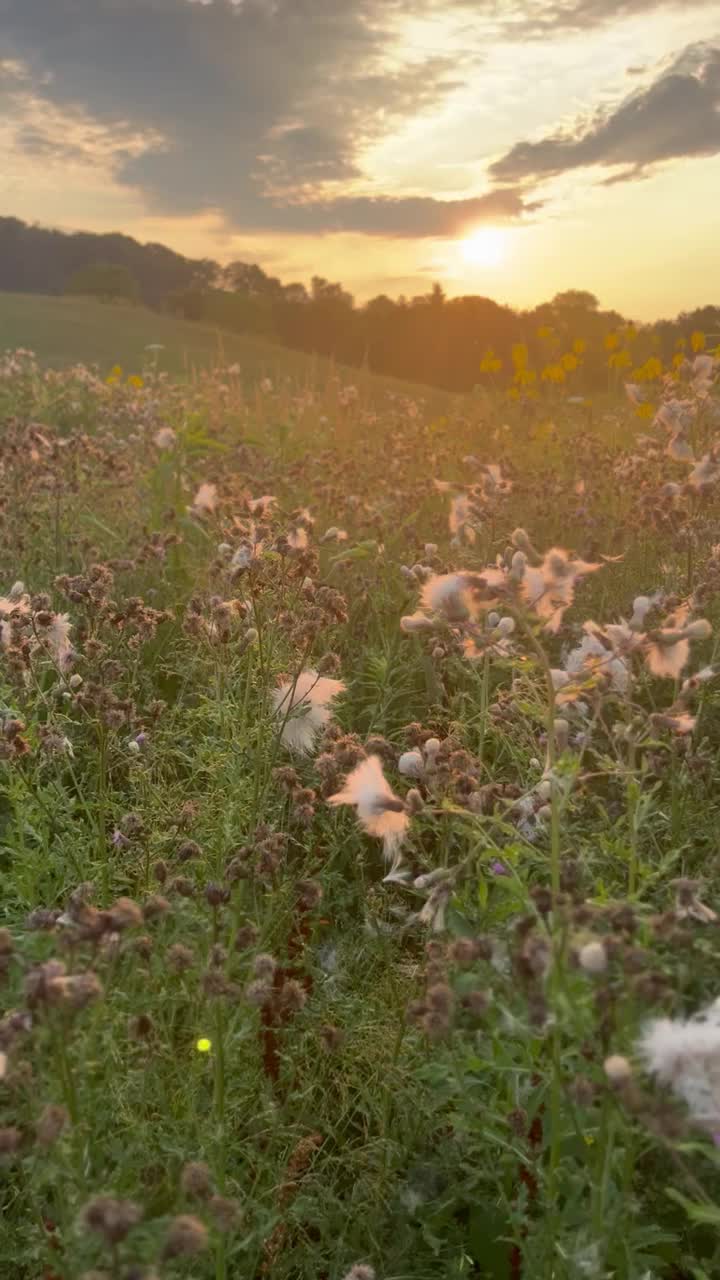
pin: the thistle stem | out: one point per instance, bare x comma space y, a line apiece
219, 1105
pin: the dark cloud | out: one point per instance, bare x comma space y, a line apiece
676, 116
411, 216
257, 103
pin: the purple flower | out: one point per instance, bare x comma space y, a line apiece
498, 868
119, 840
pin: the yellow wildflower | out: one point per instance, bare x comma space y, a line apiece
490, 363
697, 340
620, 360
612, 341
579, 346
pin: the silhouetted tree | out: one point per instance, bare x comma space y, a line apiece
104, 280
429, 338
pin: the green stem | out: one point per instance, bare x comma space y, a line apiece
219, 1103
484, 700
602, 1172
632, 798
66, 1077
102, 813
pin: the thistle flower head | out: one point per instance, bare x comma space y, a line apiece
165, 438
304, 705
668, 648
549, 588
205, 500
685, 1054
411, 764
380, 812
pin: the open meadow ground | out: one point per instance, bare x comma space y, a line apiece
358, 820
63, 331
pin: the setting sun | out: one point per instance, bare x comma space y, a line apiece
484, 247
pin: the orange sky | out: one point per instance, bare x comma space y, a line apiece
510, 149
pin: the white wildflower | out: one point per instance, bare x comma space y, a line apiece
262, 506
593, 957
380, 812
205, 500
411, 764
686, 1055
416, 622
592, 658
165, 438
304, 705
548, 589
433, 913
617, 1069
668, 648
297, 538
58, 640
459, 519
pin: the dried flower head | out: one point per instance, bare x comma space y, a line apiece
187, 1237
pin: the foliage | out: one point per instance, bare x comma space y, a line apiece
105, 280
269, 1016
428, 338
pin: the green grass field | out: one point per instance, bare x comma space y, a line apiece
63, 331
358, 835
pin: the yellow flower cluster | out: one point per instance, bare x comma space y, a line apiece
649, 371
619, 359
115, 376
490, 363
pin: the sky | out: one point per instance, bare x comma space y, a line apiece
512, 148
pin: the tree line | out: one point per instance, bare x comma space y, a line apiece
453, 343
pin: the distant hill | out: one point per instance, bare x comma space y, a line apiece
37, 259
63, 331
454, 343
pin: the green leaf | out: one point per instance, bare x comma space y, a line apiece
708, 1214
486, 1245
362, 551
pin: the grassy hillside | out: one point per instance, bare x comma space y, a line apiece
63, 331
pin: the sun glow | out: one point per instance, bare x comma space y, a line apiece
484, 247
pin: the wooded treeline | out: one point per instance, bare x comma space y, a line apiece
428, 338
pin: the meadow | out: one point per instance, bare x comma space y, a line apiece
62, 331
358, 821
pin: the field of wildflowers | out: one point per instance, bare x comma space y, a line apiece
359, 829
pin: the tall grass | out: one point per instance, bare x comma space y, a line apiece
249, 1032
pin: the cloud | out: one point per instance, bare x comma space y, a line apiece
676, 116
538, 19
257, 109
409, 216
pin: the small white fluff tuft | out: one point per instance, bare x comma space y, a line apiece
380, 812
304, 705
